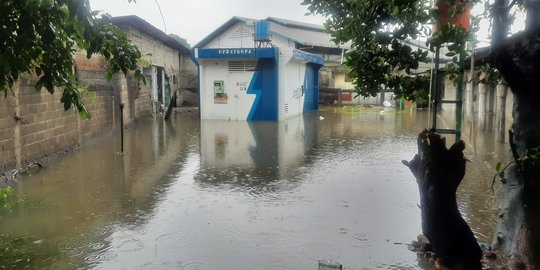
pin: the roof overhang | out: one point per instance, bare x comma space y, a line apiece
307, 57
144, 26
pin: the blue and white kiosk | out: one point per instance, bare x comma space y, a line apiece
250, 70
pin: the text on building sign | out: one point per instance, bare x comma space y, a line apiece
236, 51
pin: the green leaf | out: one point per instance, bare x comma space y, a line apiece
41, 37
498, 167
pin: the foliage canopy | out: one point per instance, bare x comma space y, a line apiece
40, 37
180, 39
380, 34
385, 38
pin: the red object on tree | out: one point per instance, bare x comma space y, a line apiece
463, 19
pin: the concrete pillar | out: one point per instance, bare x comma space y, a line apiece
482, 105
502, 91
469, 97
491, 100
120, 88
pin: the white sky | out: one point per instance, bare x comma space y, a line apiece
195, 19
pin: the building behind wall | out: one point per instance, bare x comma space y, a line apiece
167, 61
272, 78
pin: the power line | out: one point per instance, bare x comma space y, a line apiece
162, 18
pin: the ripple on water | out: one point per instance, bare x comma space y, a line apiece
360, 237
131, 245
314, 251
194, 266
176, 240
99, 257
103, 230
96, 246
73, 248
74, 252
266, 238
225, 242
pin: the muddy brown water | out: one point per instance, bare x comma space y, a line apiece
193, 194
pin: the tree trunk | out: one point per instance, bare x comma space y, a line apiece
518, 61
438, 172
518, 232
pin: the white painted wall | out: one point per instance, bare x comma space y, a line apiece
291, 78
241, 36
238, 36
239, 103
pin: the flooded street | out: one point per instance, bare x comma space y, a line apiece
217, 195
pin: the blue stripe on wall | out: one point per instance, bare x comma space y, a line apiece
264, 85
311, 87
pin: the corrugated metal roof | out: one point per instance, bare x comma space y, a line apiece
290, 23
146, 27
305, 34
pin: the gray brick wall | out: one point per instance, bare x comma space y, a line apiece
34, 125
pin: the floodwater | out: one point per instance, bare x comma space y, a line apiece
219, 195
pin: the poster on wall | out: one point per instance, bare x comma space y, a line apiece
242, 86
220, 97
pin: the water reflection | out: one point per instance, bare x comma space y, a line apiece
73, 203
238, 195
254, 154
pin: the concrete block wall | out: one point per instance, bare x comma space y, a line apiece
187, 94
100, 105
142, 102
7, 127
34, 125
188, 76
44, 126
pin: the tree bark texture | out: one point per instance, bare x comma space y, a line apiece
518, 61
518, 228
438, 172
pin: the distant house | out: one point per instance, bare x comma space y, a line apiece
167, 61
262, 69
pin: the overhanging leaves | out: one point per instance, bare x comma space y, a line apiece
380, 34
40, 36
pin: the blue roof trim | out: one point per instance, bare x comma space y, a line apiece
244, 53
308, 57
193, 55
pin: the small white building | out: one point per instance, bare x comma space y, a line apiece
268, 74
